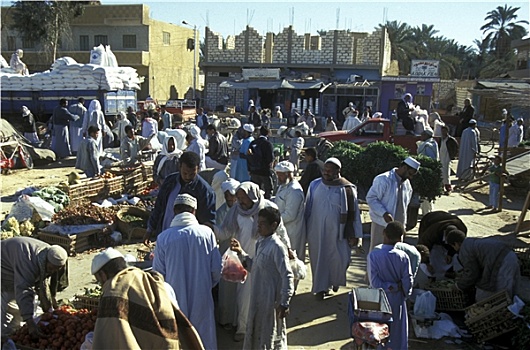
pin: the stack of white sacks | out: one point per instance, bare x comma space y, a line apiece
102, 73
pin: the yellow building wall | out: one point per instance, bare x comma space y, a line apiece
170, 66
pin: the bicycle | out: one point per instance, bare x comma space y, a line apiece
19, 158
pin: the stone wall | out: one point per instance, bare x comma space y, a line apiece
369, 51
236, 48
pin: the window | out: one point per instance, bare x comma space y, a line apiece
101, 39
11, 43
224, 74
166, 37
28, 44
129, 41
83, 43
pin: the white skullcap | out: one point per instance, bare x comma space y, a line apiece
520, 119
284, 167
57, 255
350, 104
278, 108
504, 111
104, 257
186, 199
249, 128
413, 163
472, 121
335, 161
230, 185
377, 115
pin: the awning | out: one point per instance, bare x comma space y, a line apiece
271, 85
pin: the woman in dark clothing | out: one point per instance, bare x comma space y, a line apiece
29, 126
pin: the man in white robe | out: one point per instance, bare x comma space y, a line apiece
333, 223
469, 149
187, 256
241, 223
226, 310
515, 133
290, 201
272, 285
448, 152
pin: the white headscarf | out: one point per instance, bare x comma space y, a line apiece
94, 106
195, 131
230, 185
166, 154
410, 102
25, 111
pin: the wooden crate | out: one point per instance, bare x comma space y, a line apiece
132, 180
83, 302
147, 172
448, 299
86, 189
114, 185
71, 243
495, 320
523, 254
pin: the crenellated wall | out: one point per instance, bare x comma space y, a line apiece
335, 47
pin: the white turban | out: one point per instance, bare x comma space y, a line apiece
335, 161
230, 185
25, 111
195, 131
249, 128
284, 167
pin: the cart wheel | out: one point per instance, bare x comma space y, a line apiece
25, 157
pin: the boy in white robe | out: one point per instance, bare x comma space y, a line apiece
272, 285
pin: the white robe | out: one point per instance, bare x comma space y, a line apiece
290, 201
445, 159
197, 146
272, 286
350, 123
329, 251
96, 118
188, 258
246, 237
515, 135
469, 146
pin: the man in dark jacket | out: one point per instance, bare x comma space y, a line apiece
488, 264
313, 169
132, 118
217, 156
467, 113
404, 109
259, 159
187, 181
254, 117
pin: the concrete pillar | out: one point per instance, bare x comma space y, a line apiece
269, 46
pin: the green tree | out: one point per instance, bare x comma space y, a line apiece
502, 27
46, 22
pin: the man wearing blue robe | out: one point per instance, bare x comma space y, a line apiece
187, 256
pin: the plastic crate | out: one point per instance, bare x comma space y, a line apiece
448, 299
368, 305
83, 302
523, 254
494, 320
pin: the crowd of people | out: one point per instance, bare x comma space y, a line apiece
267, 223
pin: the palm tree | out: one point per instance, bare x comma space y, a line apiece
423, 37
400, 39
502, 28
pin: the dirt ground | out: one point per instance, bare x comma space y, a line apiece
313, 324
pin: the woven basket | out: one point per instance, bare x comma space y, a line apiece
126, 228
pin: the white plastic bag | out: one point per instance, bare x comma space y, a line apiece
425, 305
298, 267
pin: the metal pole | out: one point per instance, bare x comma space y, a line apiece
194, 60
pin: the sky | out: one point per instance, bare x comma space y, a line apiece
458, 20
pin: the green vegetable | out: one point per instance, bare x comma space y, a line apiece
134, 221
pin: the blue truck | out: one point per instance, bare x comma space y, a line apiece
42, 103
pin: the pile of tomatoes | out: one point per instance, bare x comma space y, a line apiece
64, 328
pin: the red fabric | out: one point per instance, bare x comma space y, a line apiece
371, 333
